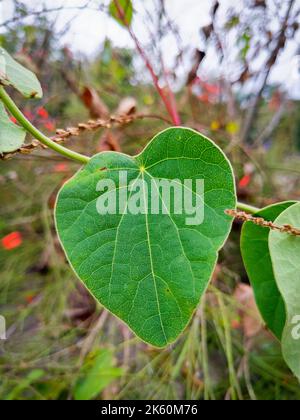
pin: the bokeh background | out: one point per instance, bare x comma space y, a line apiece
231, 69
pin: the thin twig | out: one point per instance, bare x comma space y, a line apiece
43, 11
92, 335
166, 98
273, 124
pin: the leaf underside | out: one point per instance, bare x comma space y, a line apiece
285, 254
149, 270
11, 135
14, 74
257, 260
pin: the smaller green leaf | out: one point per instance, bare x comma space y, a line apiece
11, 135
258, 264
285, 255
121, 11
14, 74
96, 374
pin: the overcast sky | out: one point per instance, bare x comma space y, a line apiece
89, 30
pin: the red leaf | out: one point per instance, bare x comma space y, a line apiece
94, 103
12, 241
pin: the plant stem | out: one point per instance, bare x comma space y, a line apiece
168, 100
170, 107
247, 208
23, 121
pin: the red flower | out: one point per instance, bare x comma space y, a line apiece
13, 119
204, 98
61, 167
42, 112
12, 241
29, 298
49, 125
245, 181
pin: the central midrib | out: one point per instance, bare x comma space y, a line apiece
151, 261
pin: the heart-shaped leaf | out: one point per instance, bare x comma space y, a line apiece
121, 11
14, 74
285, 254
149, 267
11, 135
257, 260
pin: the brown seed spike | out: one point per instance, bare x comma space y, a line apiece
259, 221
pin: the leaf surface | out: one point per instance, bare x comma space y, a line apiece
14, 74
12, 136
285, 254
258, 264
150, 270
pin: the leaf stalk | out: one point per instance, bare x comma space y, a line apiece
37, 134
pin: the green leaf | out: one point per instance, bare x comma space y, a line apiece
258, 264
33, 376
97, 373
12, 136
121, 11
14, 74
285, 254
150, 270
